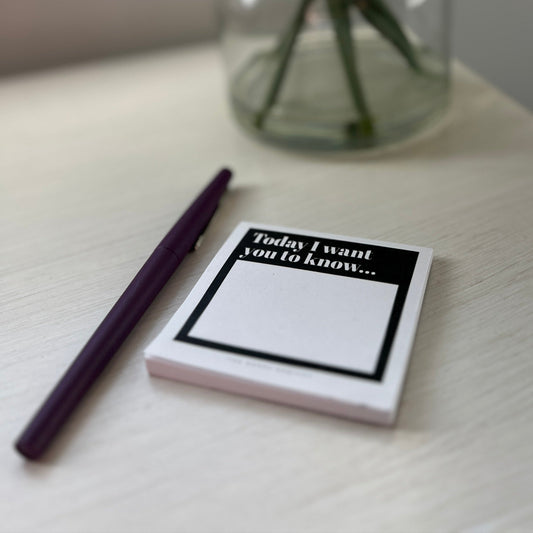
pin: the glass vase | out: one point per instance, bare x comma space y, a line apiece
336, 74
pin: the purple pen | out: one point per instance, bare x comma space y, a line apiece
120, 321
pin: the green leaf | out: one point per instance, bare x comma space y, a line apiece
383, 19
340, 17
284, 49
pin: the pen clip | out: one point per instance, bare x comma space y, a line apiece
200, 238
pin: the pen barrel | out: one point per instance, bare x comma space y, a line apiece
97, 353
119, 322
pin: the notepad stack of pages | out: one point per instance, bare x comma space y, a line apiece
318, 321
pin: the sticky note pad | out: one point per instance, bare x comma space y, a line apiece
318, 321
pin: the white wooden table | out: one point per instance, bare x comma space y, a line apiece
97, 161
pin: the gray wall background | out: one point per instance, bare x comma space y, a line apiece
493, 37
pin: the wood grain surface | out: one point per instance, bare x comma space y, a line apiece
97, 161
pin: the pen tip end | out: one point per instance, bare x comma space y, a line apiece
225, 174
27, 449
27, 454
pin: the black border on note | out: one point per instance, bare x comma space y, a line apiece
390, 265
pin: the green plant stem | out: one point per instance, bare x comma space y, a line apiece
340, 17
378, 14
284, 50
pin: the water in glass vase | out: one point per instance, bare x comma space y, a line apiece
314, 106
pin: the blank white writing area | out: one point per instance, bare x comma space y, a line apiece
317, 317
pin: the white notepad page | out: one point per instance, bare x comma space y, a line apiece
309, 316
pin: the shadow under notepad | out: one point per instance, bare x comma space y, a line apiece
418, 407
265, 412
